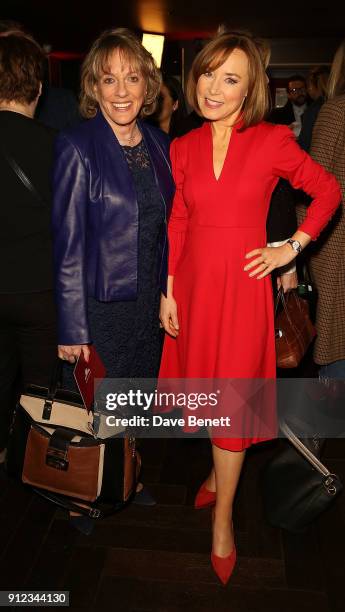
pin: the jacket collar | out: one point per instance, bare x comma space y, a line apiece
106, 139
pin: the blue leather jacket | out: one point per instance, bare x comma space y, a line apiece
95, 220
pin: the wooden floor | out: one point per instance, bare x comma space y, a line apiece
157, 559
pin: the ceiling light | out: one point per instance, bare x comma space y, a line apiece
154, 43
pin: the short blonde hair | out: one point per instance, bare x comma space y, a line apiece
96, 63
214, 54
318, 78
336, 83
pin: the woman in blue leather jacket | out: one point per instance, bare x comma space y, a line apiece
112, 193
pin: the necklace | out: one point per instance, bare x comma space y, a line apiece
130, 140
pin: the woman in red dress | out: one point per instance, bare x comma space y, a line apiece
218, 313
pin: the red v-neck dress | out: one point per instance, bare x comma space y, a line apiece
226, 317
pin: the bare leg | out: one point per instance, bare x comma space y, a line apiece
227, 466
210, 481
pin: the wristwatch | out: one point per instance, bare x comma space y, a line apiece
295, 245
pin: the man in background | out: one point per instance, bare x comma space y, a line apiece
291, 114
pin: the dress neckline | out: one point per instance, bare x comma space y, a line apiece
228, 151
134, 146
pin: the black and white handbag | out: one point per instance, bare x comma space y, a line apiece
54, 448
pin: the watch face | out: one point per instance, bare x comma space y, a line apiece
296, 246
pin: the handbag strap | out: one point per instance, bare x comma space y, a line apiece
23, 177
304, 450
52, 389
67, 504
55, 379
281, 298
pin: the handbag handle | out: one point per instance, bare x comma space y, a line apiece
55, 379
281, 298
310, 457
52, 389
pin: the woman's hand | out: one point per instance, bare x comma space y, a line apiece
288, 281
168, 315
267, 259
71, 352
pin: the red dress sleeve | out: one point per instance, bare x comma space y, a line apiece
178, 221
295, 165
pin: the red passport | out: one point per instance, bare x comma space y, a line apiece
88, 376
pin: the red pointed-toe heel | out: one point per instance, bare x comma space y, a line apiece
224, 566
204, 498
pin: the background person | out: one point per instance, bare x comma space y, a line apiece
291, 114
326, 259
317, 90
171, 108
57, 107
27, 312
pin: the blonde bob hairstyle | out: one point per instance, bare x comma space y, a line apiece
336, 83
96, 64
214, 54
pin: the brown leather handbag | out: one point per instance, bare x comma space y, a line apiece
294, 330
53, 448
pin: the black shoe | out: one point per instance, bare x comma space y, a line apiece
84, 524
144, 498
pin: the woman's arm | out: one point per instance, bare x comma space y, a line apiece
168, 310
178, 220
70, 189
293, 164
177, 228
72, 352
269, 258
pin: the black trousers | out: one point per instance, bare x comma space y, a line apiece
28, 348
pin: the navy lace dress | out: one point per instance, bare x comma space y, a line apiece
127, 334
